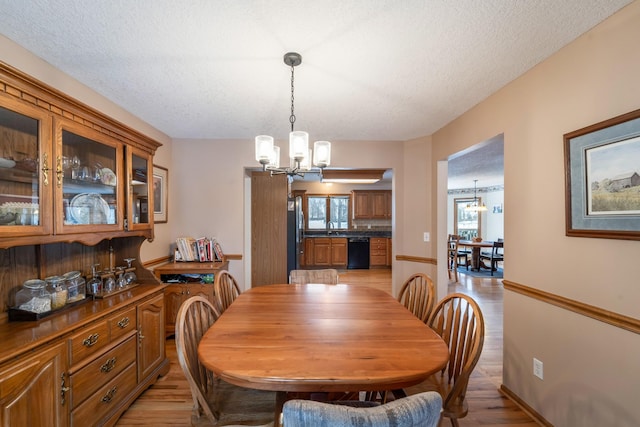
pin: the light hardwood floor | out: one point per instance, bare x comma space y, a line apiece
168, 402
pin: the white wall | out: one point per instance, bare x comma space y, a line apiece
591, 370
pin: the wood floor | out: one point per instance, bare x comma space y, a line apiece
168, 402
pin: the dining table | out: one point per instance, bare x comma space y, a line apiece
310, 338
476, 246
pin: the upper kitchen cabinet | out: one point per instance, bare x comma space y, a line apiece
67, 172
371, 204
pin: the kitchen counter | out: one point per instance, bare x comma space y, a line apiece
348, 233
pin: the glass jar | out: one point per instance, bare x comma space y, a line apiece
58, 289
33, 297
76, 286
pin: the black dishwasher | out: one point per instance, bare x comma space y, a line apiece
358, 253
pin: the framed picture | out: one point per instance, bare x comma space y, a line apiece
602, 177
160, 193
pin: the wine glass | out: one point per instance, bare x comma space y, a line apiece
121, 282
130, 274
95, 284
109, 284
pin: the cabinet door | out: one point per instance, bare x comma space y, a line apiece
361, 205
33, 390
379, 203
27, 171
89, 195
309, 255
151, 336
338, 251
140, 205
174, 296
322, 251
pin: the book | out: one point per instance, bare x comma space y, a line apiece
218, 251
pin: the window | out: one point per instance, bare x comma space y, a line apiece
328, 211
466, 223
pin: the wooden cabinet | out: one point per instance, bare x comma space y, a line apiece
84, 366
372, 204
68, 173
379, 252
33, 389
325, 252
177, 293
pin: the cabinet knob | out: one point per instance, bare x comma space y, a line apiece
109, 365
109, 396
123, 323
63, 390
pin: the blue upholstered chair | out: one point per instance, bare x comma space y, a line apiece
418, 410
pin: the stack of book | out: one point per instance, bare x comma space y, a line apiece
203, 249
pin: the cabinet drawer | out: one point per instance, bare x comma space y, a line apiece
89, 341
378, 260
105, 400
102, 370
123, 323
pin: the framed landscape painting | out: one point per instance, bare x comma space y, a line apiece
160, 193
602, 175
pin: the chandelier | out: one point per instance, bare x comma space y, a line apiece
268, 154
475, 206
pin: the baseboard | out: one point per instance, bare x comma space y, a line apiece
522, 405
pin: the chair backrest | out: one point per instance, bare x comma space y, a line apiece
418, 410
328, 276
498, 248
226, 290
195, 317
418, 295
457, 318
453, 241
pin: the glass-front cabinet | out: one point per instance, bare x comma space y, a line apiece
89, 196
140, 175
26, 174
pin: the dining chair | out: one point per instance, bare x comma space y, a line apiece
455, 257
328, 276
495, 256
457, 318
418, 295
215, 402
418, 410
226, 290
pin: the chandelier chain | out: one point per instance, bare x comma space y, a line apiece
292, 117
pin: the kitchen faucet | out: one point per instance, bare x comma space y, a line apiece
329, 226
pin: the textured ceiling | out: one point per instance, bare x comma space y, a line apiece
371, 70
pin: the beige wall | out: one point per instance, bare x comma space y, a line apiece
591, 370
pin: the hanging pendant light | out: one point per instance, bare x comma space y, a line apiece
268, 154
475, 206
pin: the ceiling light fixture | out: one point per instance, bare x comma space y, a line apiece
476, 206
268, 154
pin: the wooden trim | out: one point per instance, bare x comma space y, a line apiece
523, 405
619, 320
412, 258
154, 262
237, 257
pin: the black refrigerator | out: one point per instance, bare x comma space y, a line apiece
295, 233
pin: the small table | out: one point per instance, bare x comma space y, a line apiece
320, 338
475, 251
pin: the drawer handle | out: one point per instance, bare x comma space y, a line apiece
91, 340
63, 390
109, 396
109, 365
123, 323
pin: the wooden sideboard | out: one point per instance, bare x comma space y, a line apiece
177, 293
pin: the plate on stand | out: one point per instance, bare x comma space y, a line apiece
89, 208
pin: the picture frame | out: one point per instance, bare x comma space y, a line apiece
602, 179
160, 194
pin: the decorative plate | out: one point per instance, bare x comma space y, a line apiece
107, 177
89, 208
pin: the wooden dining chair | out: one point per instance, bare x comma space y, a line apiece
226, 290
495, 256
455, 258
215, 402
418, 410
457, 318
327, 276
418, 295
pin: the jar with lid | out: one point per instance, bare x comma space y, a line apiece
58, 289
76, 286
33, 297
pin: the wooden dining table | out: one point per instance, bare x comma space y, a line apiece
475, 251
320, 338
